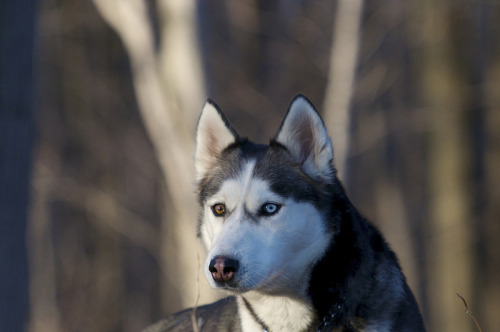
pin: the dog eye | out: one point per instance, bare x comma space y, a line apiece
219, 209
268, 209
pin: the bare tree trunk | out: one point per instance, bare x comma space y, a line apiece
17, 26
488, 248
449, 254
170, 93
45, 315
340, 87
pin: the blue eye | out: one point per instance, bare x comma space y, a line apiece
269, 209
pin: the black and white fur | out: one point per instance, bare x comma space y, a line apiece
284, 239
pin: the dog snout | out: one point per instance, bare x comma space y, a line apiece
223, 268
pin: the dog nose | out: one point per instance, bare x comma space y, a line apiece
223, 268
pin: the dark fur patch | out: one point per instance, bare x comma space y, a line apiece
346, 285
228, 166
273, 164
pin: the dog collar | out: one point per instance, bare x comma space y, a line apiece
327, 320
259, 321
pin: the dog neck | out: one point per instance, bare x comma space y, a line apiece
261, 312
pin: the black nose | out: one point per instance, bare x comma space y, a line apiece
223, 268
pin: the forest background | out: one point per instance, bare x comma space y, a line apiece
99, 101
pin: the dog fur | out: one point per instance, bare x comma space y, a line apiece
283, 239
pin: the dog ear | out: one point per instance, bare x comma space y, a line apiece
304, 134
214, 133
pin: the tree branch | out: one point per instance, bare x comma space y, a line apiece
340, 87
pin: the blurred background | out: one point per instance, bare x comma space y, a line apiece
98, 106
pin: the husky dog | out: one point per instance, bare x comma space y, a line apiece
284, 240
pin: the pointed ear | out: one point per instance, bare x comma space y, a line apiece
213, 134
304, 134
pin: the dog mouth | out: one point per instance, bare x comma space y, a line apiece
226, 273
231, 286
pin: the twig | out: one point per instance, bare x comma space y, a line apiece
469, 313
194, 321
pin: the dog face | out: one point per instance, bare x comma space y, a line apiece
261, 218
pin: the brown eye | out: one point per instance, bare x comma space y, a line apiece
219, 209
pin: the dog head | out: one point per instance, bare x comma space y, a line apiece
263, 207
